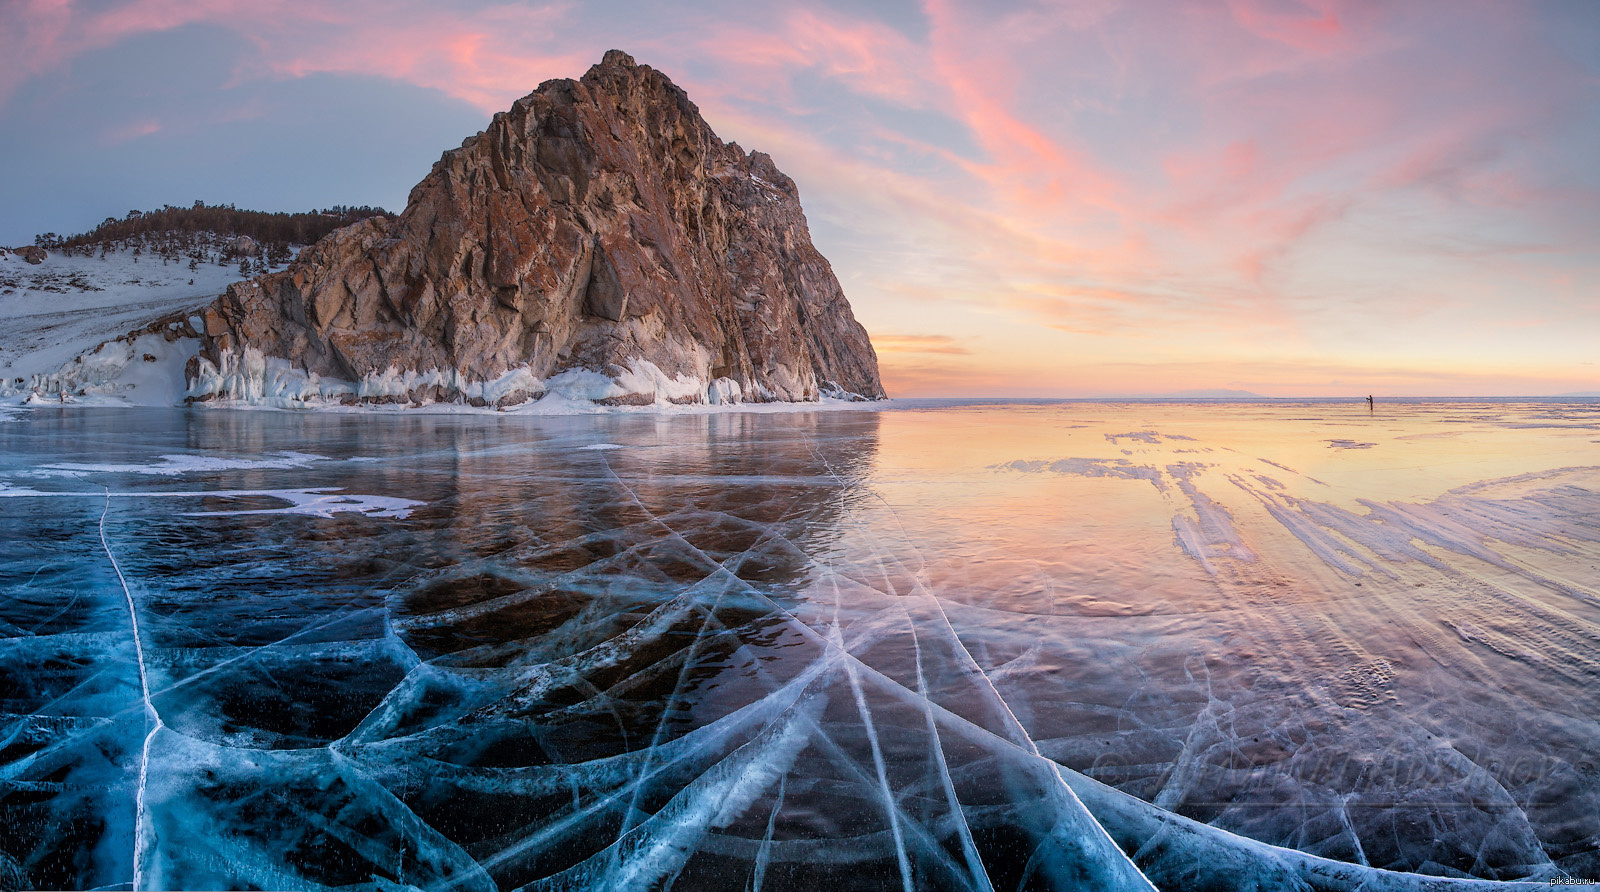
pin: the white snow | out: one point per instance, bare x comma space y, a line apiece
643, 377
492, 392
325, 502
175, 464
580, 385
641, 386
147, 371
260, 381
66, 306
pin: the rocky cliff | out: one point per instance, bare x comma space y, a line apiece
598, 239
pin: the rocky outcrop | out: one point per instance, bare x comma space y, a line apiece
31, 253
598, 227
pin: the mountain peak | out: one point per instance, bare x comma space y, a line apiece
599, 226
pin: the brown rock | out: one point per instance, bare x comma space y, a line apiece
31, 253
597, 223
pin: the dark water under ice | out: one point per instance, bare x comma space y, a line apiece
1037, 646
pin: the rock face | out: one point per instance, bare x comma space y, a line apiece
31, 253
598, 225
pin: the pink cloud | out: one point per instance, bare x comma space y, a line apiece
1232, 167
764, 59
1306, 25
131, 130
486, 57
1038, 172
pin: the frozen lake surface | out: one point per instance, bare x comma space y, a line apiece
939, 646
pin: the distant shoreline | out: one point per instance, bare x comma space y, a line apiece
9, 409
1381, 400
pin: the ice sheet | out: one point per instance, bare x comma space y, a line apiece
1107, 647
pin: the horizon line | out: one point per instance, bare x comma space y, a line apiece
1584, 396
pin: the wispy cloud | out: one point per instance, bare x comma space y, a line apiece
130, 130
1043, 183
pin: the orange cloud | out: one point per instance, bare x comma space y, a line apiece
912, 343
923, 379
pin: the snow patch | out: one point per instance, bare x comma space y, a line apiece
580, 385
513, 382
834, 390
644, 378
323, 501
326, 503
641, 383
175, 464
68, 306
144, 371
1086, 467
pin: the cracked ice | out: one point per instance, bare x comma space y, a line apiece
789, 651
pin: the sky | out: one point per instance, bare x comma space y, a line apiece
1075, 199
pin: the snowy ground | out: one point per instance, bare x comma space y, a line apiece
1241, 647
67, 305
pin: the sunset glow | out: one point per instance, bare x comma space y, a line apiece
1290, 197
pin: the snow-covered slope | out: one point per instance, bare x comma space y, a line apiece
56, 311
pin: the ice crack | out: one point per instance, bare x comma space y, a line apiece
140, 830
